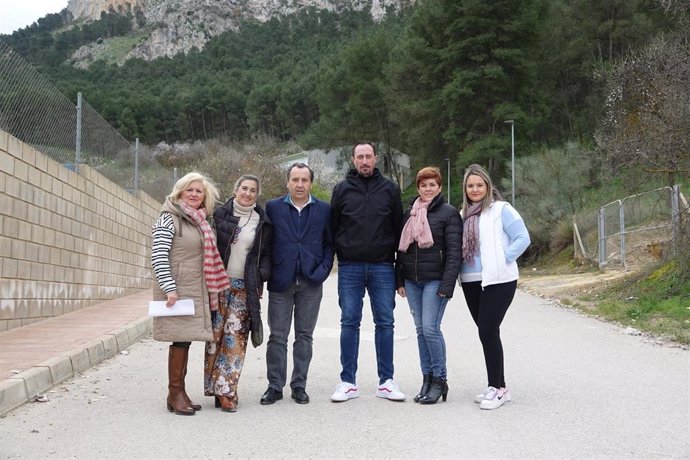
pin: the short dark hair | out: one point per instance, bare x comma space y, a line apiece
300, 165
371, 144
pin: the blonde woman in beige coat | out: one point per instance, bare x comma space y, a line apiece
187, 265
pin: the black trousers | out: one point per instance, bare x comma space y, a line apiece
488, 307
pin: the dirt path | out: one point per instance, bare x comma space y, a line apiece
569, 285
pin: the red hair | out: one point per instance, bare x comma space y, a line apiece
430, 172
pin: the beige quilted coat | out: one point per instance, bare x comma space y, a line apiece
186, 263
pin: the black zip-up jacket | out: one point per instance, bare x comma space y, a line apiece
442, 260
366, 214
257, 267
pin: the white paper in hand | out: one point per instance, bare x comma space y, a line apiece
183, 307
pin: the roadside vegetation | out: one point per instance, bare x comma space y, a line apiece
655, 300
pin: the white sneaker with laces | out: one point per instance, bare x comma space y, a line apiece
390, 390
495, 398
345, 391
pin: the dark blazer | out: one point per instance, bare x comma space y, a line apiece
307, 252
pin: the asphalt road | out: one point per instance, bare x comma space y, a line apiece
581, 389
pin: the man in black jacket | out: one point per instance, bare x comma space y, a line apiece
366, 216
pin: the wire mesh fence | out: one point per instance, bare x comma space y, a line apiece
632, 231
34, 111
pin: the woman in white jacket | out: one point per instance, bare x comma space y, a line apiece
494, 236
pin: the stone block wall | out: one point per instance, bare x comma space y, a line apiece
67, 240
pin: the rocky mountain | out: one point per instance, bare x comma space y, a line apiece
174, 26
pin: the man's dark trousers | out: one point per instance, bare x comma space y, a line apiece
304, 300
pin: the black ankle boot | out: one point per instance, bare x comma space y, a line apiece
426, 384
439, 388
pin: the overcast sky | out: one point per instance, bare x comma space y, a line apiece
16, 14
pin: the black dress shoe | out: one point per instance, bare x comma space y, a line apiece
271, 396
300, 396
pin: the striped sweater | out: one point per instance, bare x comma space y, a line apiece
163, 232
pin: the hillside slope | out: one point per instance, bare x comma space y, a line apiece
168, 27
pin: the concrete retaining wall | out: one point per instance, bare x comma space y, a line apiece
67, 240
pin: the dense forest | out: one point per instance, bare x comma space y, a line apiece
436, 81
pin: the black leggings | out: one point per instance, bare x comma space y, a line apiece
488, 307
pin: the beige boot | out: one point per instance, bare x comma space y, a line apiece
177, 360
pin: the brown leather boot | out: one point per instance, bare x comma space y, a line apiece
177, 359
227, 404
196, 407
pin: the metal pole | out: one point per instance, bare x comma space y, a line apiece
136, 164
78, 139
602, 238
675, 217
512, 158
621, 227
448, 173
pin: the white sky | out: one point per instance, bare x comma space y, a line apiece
16, 14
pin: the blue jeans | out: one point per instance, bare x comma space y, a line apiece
379, 281
427, 311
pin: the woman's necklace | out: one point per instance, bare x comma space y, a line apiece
238, 229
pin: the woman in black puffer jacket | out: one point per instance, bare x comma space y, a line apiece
427, 267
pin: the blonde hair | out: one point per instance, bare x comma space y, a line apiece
245, 177
211, 194
491, 192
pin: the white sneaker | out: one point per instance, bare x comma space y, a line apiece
345, 391
389, 390
480, 397
495, 398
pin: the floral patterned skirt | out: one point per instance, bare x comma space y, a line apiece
225, 355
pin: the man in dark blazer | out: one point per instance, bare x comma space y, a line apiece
302, 259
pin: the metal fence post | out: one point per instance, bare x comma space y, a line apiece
78, 139
621, 225
602, 238
136, 164
675, 217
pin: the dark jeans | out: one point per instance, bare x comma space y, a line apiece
488, 307
379, 281
304, 300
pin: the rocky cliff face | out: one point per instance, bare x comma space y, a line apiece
174, 26
91, 10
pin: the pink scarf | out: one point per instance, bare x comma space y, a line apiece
214, 270
470, 233
417, 227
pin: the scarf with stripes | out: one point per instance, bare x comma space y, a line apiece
214, 270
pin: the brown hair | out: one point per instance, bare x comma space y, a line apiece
430, 172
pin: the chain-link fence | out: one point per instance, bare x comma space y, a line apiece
632, 231
34, 111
